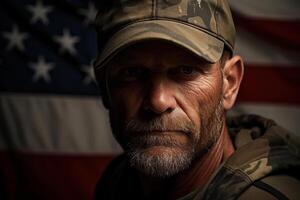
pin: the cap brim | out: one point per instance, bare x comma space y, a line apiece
195, 40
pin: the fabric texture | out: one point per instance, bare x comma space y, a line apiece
201, 26
263, 150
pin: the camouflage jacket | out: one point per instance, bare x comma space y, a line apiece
264, 166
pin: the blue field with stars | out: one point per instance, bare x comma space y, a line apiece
48, 47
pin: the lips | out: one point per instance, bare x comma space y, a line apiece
158, 138
155, 132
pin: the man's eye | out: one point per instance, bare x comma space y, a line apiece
187, 70
131, 73
185, 73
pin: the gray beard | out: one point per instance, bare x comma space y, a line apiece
176, 157
173, 159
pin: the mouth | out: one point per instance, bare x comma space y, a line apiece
158, 138
156, 132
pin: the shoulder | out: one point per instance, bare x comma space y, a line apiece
281, 187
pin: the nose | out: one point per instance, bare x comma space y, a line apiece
159, 97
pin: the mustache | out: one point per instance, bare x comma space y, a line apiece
161, 124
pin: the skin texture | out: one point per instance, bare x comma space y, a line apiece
167, 110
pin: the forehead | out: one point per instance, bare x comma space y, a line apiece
155, 51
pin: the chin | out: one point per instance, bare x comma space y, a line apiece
161, 151
160, 161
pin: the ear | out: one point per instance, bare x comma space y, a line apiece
233, 72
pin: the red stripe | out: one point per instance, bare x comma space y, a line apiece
283, 33
49, 177
271, 84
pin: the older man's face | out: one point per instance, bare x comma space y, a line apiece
166, 106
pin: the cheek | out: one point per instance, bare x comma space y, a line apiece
209, 90
196, 97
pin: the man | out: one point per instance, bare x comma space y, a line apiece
168, 76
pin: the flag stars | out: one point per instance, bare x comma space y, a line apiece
67, 42
89, 13
89, 71
15, 39
39, 12
41, 70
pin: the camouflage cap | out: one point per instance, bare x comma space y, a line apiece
201, 26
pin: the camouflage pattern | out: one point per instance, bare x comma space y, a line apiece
193, 19
267, 149
263, 149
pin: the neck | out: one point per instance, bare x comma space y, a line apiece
194, 177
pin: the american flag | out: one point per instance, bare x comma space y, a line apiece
55, 139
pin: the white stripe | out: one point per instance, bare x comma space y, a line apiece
55, 124
285, 115
273, 9
257, 50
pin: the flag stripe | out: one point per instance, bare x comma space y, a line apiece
54, 124
268, 9
48, 177
281, 33
271, 84
256, 49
